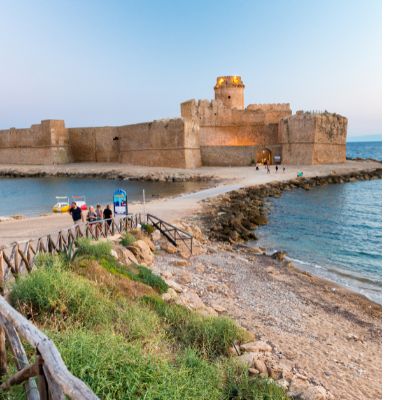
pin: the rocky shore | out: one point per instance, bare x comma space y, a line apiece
112, 174
233, 216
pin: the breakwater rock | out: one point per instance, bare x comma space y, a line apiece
157, 176
234, 216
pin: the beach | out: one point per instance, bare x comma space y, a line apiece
321, 333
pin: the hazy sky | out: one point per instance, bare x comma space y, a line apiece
118, 62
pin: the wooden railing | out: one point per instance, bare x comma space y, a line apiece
19, 257
47, 377
171, 232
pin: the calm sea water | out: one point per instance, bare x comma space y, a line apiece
334, 231
33, 196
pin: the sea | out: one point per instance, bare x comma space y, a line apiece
36, 196
333, 231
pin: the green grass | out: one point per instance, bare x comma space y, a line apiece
147, 277
115, 369
60, 295
210, 336
89, 248
127, 239
125, 348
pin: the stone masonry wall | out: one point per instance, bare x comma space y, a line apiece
231, 136
44, 143
309, 138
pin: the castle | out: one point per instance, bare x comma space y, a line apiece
220, 132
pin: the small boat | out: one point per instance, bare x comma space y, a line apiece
80, 202
62, 204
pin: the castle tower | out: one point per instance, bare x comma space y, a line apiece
230, 89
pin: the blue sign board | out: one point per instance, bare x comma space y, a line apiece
120, 200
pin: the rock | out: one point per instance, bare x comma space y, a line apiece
181, 263
279, 255
260, 366
257, 346
234, 351
274, 371
315, 393
123, 255
218, 308
142, 252
253, 371
283, 383
297, 387
174, 285
171, 295
200, 268
184, 277
247, 359
191, 300
168, 247
166, 274
156, 235
270, 270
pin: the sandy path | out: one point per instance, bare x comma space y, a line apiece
170, 209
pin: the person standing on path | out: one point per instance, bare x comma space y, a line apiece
276, 168
99, 212
76, 213
91, 215
268, 170
107, 214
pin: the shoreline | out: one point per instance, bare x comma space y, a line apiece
324, 334
201, 201
321, 334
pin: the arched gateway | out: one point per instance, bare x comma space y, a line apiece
264, 155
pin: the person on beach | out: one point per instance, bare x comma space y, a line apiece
76, 213
107, 214
91, 215
99, 212
257, 167
266, 164
284, 169
268, 170
276, 168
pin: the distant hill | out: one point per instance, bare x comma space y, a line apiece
365, 138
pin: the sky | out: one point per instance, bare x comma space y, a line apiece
95, 63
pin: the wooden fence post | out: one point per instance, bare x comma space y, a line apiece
3, 354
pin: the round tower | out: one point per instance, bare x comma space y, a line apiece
230, 89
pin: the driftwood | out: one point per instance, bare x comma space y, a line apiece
54, 379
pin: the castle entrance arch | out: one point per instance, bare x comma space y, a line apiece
264, 155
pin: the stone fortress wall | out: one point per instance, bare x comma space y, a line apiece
44, 143
220, 132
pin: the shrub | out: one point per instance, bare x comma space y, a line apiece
60, 296
148, 228
147, 277
47, 260
211, 336
127, 239
97, 250
240, 386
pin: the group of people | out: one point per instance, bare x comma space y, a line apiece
92, 215
266, 166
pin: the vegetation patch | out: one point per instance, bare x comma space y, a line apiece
148, 228
60, 296
147, 277
210, 336
127, 239
97, 250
